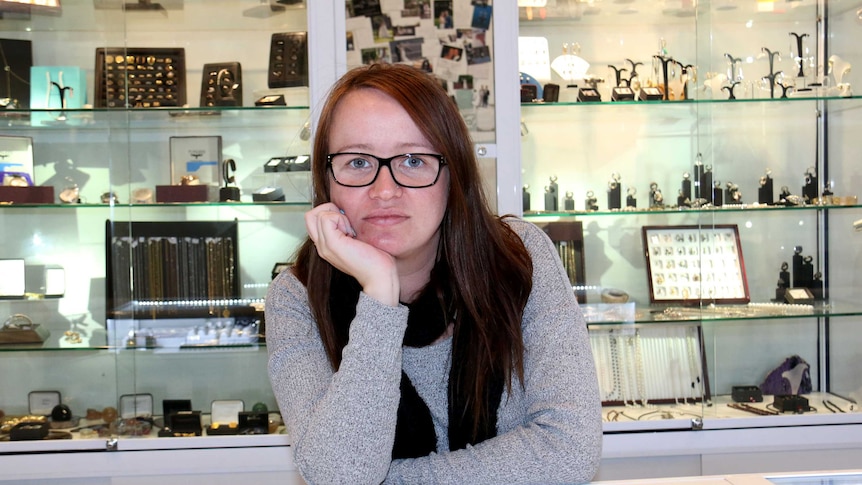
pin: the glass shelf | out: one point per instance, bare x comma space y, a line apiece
232, 205
631, 313
694, 102
151, 118
748, 208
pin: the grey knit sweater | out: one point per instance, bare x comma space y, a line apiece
342, 424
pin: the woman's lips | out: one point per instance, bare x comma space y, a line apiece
385, 219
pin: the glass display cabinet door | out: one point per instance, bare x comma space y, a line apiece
154, 180
692, 162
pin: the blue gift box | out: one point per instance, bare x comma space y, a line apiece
56, 87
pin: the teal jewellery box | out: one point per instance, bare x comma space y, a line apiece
56, 87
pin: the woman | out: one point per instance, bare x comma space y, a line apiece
419, 338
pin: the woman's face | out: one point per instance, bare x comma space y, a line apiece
403, 222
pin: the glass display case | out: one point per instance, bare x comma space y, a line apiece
152, 181
703, 152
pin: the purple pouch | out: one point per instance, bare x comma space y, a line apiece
792, 377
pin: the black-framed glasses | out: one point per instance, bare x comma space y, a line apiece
411, 170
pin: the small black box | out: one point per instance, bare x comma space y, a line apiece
791, 403
746, 394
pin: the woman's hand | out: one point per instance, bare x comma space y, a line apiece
336, 242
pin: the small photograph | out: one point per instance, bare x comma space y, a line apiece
481, 17
351, 44
417, 8
404, 30
375, 55
478, 54
451, 53
483, 3
367, 8
406, 50
381, 26
443, 14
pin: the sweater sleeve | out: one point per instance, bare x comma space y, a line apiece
560, 437
341, 424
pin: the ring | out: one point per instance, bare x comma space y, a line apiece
613, 295
142, 196
18, 321
12, 180
190, 180
109, 197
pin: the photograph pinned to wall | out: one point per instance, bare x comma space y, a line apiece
443, 18
475, 47
407, 50
449, 65
417, 8
351, 44
381, 26
481, 16
404, 30
376, 55
366, 8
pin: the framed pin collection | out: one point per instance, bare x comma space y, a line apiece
695, 264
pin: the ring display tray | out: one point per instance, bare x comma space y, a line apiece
140, 77
695, 264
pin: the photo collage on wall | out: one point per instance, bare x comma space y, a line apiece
450, 39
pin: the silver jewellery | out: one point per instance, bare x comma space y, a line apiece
18, 321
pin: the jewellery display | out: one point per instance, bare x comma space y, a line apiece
773, 75
17, 59
656, 199
525, 195
810, 189
552, 202
195, 260
196, 156
568, 238
764, 191
230, 192
70, 195
140, 77
631, 200
12, 284
569, 201
695, 263
685, 193
650, 365
142, 196
109, 198
615, 192
288, 60
591, 202
221, 84
16, 160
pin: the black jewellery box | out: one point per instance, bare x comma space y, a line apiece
746, 394
299, 163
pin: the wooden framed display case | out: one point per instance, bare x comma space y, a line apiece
742, 115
